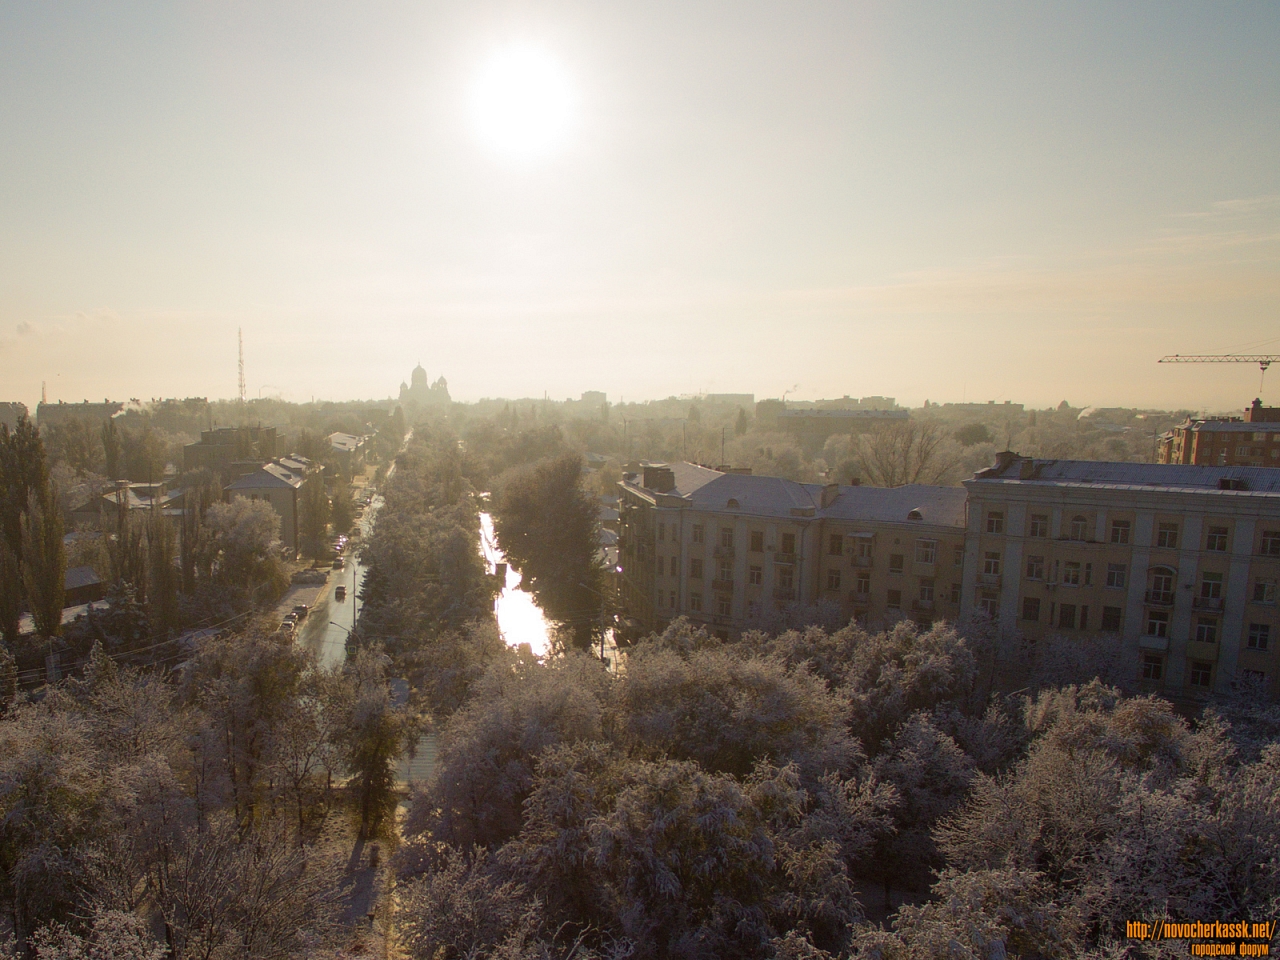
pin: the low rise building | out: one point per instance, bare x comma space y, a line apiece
53, 414
1249, 441
11, 413
1179, 564
231, 451
279, 483
730, 549
814, 426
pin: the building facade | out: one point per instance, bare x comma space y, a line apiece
280, 484
1249, 441
231, 452
1179, 564
731, 550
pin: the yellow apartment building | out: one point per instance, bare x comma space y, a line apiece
1178, 563
728, 549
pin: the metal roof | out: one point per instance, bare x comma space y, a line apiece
1167, 477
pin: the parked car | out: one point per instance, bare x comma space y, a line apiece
286, 628
340, 593
301, 611
339, 563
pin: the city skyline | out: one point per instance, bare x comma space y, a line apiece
994, 203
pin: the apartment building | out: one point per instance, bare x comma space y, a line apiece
727, 549
1251, 441
280, 484
1179, 563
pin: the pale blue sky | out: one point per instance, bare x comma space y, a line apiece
999, 201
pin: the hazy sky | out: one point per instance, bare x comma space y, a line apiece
1025, 201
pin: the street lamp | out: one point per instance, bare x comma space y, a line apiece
603, 600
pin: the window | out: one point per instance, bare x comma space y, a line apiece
695, 602
835, 545
724, 606
755, 574
1067, 616
696, 533
726, 537
955, 593
1157, 623
1259, 636
1271, 543
724, 570
1207, 630
1031, 608
662, 532
989, 603
661, 563
785, 576
1211, 586
1079, 528
1084, 616
757, 541
1115, 575
1264, 591
695, 569
788, 543
673, 599
1167, 535
1152, 666
926, 551
995, 522
958, 556
1254, 676
1201, 673
926, 591
865, 546
1120, 531
833, 579
1162, 585
753, 609
894, 601
1088, 574
1039, 525
991, 564
1217, 539
895, 563
1111, 619
1071, 573
1035, 568
862, 585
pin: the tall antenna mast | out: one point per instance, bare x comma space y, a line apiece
240, 334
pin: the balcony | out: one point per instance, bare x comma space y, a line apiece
989, 579
865, 562
722, 586
922, 606
1207, 603
784, 593
859, 599
1159, 598
781, 557
723, 552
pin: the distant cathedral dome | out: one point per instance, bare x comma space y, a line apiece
419, 392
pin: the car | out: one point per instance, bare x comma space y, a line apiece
291, 618
340, 593
301, 611
339, 563
287, 628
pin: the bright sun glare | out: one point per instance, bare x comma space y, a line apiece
522, 103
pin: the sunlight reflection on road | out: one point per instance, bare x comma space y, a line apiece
519, 618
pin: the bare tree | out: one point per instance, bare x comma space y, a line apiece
905, 451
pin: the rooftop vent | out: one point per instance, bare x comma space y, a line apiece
732, 504
915, 515
1232, 483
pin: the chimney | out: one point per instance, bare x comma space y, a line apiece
855, 481
829, 494
659, 477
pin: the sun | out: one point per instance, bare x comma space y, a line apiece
522, 102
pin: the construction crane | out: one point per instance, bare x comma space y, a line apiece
1263, 360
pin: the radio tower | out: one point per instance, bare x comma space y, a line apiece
240, 334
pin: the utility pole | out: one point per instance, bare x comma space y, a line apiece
722, 429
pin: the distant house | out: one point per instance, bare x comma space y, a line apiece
347, 451
11, 413
231, 452
279, 484
131, 497
82, 585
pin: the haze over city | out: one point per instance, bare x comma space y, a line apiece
976, 202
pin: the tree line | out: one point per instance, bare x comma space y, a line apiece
760, 798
